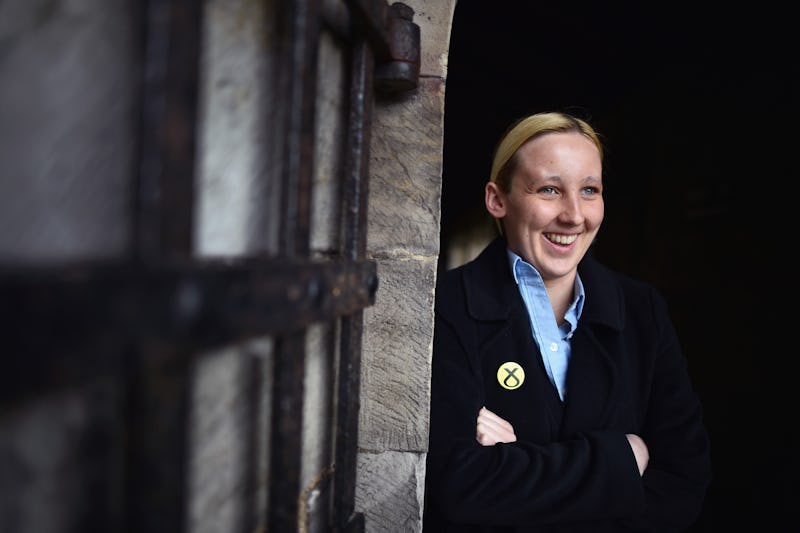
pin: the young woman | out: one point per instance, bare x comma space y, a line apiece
560, 397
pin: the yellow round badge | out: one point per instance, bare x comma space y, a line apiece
510, 375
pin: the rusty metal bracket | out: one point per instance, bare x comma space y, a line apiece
400, 71
394, 39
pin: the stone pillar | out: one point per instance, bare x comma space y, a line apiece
403, 237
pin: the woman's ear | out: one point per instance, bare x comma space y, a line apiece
495, 200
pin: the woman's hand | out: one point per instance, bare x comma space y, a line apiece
492, 429
640, 451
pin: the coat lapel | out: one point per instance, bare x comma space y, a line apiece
504, 334
593, 380
489, 287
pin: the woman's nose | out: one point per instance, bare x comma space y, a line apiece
571, 210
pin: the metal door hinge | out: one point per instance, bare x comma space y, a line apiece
400, 71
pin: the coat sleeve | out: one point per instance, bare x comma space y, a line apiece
590, 477
679, 472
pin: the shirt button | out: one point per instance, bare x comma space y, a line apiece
553, 347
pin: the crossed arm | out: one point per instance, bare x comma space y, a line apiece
492, 429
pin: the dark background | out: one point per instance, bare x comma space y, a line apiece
696, 104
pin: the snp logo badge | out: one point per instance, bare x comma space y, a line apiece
510, 375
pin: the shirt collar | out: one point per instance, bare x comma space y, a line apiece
519, 266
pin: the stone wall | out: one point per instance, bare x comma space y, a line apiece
404, 216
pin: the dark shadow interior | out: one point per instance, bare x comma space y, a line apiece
697, 108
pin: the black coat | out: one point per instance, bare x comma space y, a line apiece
571, 468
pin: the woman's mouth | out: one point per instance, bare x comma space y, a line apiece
560, 239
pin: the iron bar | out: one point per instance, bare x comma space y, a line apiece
254, 385
355, 243
67, 324
158, 373
158, 387
370, 16
165, 194
298, 85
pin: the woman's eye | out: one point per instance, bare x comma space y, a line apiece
547, 190
590, 191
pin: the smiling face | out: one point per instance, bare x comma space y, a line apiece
554, 207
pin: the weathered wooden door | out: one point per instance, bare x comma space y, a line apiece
138, 322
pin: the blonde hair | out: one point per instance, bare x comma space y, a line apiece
504, 161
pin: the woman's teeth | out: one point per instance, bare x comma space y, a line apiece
560, 239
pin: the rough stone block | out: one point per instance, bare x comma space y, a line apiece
318, 403
395, 372
406, 172
218, 432
331, 136
66, 120
390, 490
221, 418
233, 150
434, 18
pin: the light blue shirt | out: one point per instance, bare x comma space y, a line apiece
553, 341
